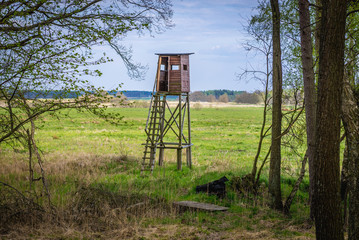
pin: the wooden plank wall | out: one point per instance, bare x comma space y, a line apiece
185, 73
175, 75
178, 79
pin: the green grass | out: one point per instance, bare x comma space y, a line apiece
216, 133
82, 150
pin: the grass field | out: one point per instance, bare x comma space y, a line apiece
93, 170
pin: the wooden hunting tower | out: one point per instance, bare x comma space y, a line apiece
173, 73
172, 79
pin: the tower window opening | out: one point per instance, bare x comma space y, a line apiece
175, 67
185, 67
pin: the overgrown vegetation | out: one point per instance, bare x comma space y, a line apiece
96, 190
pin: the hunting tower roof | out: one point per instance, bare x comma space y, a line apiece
172, 54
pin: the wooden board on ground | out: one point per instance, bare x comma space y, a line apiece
191, 205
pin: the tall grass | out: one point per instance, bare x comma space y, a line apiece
97, 191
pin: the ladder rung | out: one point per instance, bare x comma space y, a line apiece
153, 131
157, 111
146, 151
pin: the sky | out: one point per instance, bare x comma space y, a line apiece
212, 29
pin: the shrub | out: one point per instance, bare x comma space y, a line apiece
245, 97
224, 98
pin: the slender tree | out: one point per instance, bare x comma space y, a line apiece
260, 43
326, 198
309, 84
275, 158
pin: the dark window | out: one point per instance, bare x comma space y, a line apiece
175, 67
185, 67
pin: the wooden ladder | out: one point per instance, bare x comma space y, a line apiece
154, 131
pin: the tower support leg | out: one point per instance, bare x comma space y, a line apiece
152, 157
160, 158
189, 157
179, 159
189, 149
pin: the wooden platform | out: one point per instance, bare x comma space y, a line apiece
191, 205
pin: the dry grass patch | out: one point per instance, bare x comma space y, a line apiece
90, 212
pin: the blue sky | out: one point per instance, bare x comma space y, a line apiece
212, 29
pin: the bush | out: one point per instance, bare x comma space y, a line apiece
211, 98
198, 96
245, 97
223, 98
197, 106
140, 104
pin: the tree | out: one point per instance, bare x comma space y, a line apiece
223, 98
261, 43
326, 198
245, 97
350, 119
197, 96
350, 113
275, 158
47, 56
309, 84
46, 53
211, 98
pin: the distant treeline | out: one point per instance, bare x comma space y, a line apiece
67, 94
218, 93
137, 94
226, 96
221, 95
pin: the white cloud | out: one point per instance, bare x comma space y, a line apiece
209, 28
215, 47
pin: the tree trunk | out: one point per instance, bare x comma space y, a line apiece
326, 198
350, 117
275, 158
318, 16
309, 86
344, 182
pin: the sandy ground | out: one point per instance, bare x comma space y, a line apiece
215, 104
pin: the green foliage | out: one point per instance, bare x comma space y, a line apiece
46, 48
